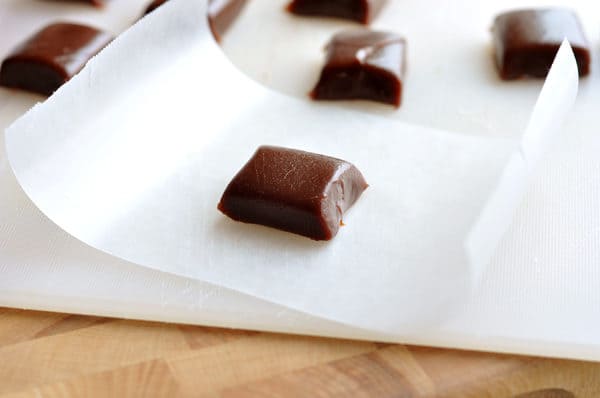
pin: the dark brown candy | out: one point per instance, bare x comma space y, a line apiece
51, 57
97, 3
365, 65
362, 11
295, 191
526, 41
221, 14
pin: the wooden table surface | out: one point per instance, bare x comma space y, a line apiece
59, 355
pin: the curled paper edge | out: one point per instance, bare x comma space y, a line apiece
498, 212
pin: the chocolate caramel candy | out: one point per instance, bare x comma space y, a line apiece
97, 3
526, 41
51, 57
363, 64
362, 11
294, 191
221, 14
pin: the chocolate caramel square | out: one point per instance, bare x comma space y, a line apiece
526, 41
362, 11
221, 14
295, 191
51, 57
363, 64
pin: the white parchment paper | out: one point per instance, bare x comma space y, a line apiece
154, 133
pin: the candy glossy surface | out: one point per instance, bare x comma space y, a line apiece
361, 11
295, 191
365, 65
51, 57
526, 41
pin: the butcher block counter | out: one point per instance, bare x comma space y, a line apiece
58, 355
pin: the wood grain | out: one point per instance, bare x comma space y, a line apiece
58, 355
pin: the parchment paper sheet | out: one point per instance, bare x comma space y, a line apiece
154, 133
